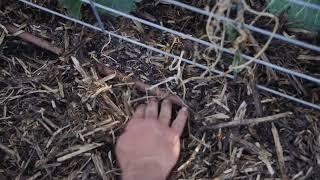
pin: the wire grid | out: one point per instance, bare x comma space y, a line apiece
206, 43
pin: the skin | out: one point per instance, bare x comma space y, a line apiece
149, 147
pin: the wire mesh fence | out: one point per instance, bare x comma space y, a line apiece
269, 34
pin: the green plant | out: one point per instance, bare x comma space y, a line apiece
74, 6
237, 61
231, 32
298, 16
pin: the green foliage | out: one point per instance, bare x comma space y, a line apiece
237, 61
125, 6
298, 16
231, 32
74, 6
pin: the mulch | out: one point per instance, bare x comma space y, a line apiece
62, 109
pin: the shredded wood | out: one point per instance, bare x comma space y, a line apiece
67, 93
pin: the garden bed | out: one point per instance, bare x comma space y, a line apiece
61, 113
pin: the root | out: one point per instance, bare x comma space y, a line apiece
102, 51
222, 8
155, 91
174, 66
275, 18
264, 48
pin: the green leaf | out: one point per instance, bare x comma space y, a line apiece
73, 7
232, 32
125, 6
298, 16
237, 61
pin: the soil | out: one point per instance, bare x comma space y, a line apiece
50, 107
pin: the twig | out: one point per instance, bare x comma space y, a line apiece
308, 57
34, 40
77, 47
246, 121
7, 150
111, 104
98, 163
5, 118
102, 128
141, 85
35, 176
263, 154
54, 135
279, 152
193, 155
257, 48
45, 126
81, 149
255, 94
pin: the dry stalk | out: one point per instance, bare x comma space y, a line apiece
193, 155
79, 150
141, 85
279, 152
246, 121
8, 150
263, 154
34, 40
99, 165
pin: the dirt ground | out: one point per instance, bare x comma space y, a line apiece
60, 116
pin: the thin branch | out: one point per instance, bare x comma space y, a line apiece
141, 85
34, 40
279, 151
246, 121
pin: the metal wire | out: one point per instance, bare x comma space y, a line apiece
309, 104
306, 4
288, 97
251, 27
187, 36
